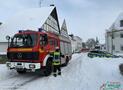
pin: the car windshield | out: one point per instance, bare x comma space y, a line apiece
24, 40
107, 52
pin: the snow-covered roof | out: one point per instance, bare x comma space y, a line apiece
31, 19
116, 24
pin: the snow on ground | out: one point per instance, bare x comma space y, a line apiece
2, 53
82, 73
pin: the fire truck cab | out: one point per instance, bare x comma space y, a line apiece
31, 51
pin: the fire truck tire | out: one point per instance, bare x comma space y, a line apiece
48, 68
67, 61
21, 71
121, 68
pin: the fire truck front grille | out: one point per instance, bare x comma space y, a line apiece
23, 55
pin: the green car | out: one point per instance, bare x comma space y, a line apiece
92, 54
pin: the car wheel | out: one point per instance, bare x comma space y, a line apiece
121, 68
67, 61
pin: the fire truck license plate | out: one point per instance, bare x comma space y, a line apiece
19, 66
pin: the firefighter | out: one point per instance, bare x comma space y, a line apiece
56, 62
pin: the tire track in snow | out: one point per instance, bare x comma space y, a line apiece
18, 82
18, 86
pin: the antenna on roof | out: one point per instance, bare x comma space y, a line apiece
40, 3
52, 5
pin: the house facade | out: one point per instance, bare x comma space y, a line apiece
76, 42
114, 36
3, 45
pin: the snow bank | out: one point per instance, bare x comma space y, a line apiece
98, 71
5, 73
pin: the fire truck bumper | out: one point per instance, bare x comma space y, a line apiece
22, 65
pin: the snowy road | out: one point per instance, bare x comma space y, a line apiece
16, 81
82, 73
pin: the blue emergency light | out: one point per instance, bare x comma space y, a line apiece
20, 31
40, 29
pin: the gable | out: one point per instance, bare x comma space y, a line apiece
52, 23
64, 31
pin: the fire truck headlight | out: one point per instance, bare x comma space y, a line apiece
31, 66
8, 64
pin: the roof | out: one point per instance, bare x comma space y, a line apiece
30, 19
116, 24
64, 31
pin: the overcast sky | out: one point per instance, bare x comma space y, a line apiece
85, 18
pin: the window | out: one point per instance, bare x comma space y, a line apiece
24, 40
56, 43
112, 36
121, 23
113, 48
121, 48
51, 42
121, 35
43, 40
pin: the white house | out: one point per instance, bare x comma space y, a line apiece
3, 44
64, 36
76, 42
114, 36
32, 19
73, 43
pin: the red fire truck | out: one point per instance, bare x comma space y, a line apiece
31, 51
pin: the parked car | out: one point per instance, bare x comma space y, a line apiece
96, 53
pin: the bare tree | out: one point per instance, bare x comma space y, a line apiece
91, 43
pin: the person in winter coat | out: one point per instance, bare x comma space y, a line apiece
56, 62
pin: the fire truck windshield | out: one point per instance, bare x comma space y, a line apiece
23, 40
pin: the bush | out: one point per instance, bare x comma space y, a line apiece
3, 59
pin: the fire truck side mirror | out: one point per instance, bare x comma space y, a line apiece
7, 37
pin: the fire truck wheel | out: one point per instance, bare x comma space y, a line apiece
48, 68
67, 60
121, 68
21, 71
